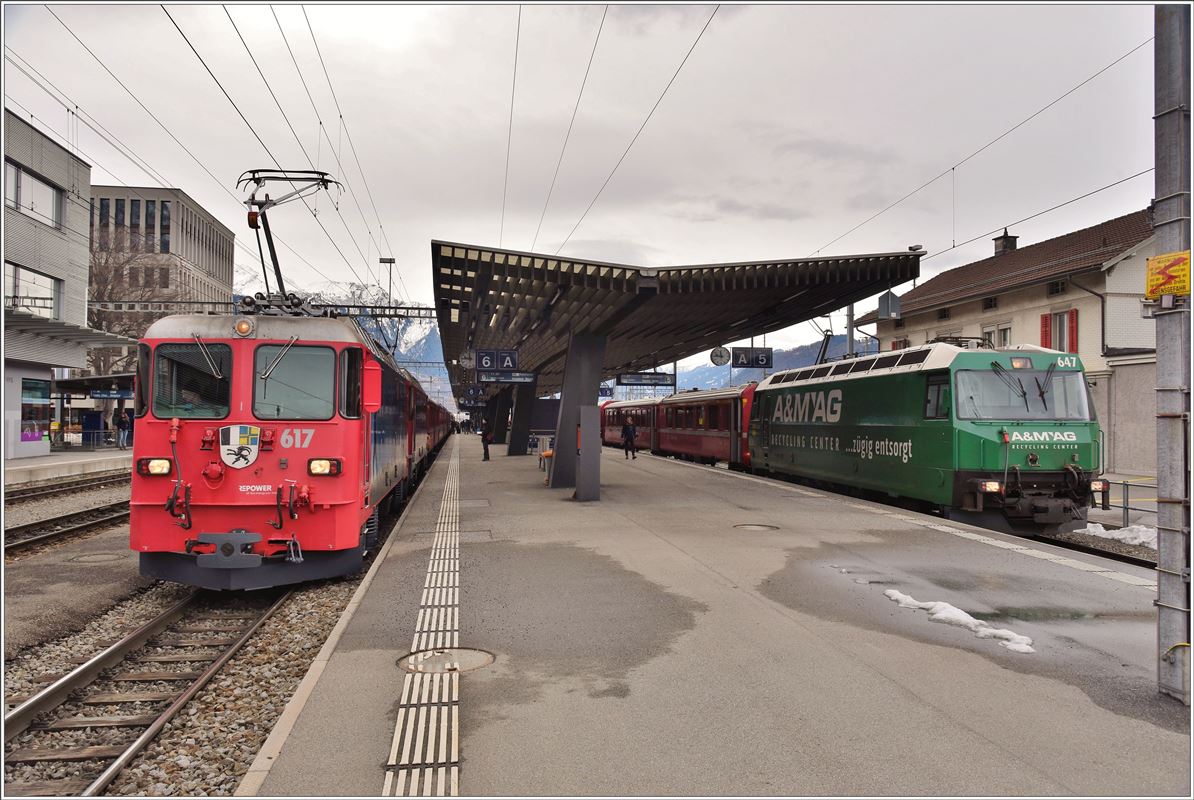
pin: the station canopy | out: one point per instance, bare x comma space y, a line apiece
489, 298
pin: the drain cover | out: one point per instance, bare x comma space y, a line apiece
445, 660
753, 526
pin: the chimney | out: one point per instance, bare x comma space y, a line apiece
1004, 243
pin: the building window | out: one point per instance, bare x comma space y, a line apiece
989, 335
943, 313
26, 290
990, 303
165, 226
163, 277
30, 195
1055, 288
135, 225
151, 224
899, 323
119, 215
1005, 336
1059, 330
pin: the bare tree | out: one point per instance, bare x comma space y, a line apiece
125, 276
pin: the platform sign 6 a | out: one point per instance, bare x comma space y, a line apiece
753, 357
473, 392
487, 359
1167, 274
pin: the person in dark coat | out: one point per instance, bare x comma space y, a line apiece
629, 434
120, 421
486, 438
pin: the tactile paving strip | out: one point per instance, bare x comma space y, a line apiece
425, 752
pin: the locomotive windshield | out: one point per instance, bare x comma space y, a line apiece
301, 385
185, 385
1022, 394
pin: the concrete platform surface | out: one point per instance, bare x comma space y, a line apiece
645, 645
59, 590
21, 471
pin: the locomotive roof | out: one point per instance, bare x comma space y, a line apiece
938, 355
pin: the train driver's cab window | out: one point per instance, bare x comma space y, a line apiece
351, 362
294, 382
192, 381
937, 397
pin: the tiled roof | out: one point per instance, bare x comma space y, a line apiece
1080, 251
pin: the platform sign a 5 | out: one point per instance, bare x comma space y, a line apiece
1167, 274
753, 357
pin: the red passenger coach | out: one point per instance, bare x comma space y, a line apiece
642, 412
706, 426
267, 446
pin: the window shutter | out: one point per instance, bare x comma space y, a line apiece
1046, 331
1073, 330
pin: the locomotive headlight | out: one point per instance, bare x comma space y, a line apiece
1098, 486
153, 466
324, 466
243, 327
990, 486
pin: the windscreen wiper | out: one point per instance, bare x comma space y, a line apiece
1043, 390
264, 374
211, 364
1016, 386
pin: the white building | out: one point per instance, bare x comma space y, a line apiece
45, 280
1078, 293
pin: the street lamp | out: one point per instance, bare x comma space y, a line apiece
390, 262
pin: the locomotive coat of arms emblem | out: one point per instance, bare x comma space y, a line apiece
239, 445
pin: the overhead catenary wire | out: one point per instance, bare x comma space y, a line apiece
352, 145
998, 228
571, 122
640, 129
260, 140
947, 171
175, 139
510, 126
321, 130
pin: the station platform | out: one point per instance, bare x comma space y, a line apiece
702, 632
36, 469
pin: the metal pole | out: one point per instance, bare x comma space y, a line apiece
1172, 226
850, 330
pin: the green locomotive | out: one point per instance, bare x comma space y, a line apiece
1004, 435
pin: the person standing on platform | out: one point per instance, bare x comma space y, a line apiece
629, 434
486, 438
120, 421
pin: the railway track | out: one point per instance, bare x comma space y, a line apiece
132, 689
20, 537
81, 484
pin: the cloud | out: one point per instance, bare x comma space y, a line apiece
834, 150
617, 251
711, 208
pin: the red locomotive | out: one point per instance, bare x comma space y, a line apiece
706, 426
267, 447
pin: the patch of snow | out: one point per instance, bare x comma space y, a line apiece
952, 615
1134, 534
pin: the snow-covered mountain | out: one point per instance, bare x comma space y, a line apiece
709, 376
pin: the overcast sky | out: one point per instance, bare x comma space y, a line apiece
787, 126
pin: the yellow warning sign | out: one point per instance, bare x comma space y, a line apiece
1167, 274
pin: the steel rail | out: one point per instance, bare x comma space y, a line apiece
121, 512
113, 769
33, 492
1094, 551
56, 693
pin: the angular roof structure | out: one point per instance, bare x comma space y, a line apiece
1080, 251
489, 298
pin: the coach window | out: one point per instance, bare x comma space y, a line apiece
192, 381
294, 382
351, 360
937, 397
